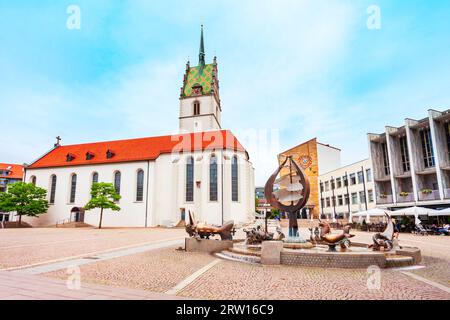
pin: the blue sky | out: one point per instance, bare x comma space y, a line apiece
301, 69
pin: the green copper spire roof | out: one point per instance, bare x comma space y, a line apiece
201, 79
201, 55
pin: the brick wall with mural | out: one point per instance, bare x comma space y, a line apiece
305, 155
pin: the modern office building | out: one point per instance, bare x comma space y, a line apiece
411, 163
346, 190
315, 158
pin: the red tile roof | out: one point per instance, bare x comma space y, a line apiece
137, 149
15, 170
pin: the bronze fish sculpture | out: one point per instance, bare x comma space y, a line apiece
330, 238
204, 231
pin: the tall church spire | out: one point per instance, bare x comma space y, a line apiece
201, 55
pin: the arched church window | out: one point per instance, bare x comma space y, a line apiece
140, 185
213, 178
190, 179
117, 177
196, 108
52, 188
73, 188
94, 177
33, 180
234, 179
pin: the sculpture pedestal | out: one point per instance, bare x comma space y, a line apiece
207, 245
271, 252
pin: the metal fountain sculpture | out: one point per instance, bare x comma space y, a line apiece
332, 240
384, 241
291, 193
204, 231
257, 236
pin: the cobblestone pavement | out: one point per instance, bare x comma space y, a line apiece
22, 247
161, 270
157, 270
17, 286
435, 254
243, 281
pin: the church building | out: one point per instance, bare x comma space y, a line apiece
203, 169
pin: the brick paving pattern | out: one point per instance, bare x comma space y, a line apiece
17, 286
160, 270
157, 270
19, 247
244, 281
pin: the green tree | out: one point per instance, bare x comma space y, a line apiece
103, 196
25, 199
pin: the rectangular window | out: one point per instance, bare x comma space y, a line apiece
404, 154
338, 183
352, 179
368, 175
447, 135
362, 197
340, 200
360, 177
328, 202
346, 199
387, 170
370, 194
354, 198
327, 186
427, 148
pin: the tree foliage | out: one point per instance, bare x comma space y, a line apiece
25, 199
103, 196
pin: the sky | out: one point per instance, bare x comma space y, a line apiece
289, 70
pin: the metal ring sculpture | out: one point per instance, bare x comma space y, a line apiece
295, 187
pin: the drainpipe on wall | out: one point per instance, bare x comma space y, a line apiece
321, 199
348, 195
333, 199
146, 196
364, 185
221, 191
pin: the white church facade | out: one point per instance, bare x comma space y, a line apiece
204, 169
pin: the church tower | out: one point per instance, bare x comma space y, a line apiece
200, 108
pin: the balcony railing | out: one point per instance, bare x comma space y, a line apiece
433, 195
447, 193
385, 199
405, 198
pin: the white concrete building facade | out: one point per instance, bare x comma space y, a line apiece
348, 189
411, 163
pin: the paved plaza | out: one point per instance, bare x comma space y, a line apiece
145, 264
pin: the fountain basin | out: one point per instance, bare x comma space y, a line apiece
358, 255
